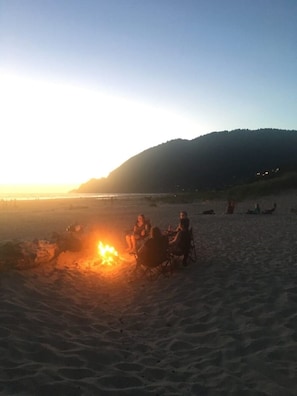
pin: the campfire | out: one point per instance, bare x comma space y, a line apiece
108, 254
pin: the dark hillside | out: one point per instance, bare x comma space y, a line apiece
214, 161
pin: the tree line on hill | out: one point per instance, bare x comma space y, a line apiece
215, 161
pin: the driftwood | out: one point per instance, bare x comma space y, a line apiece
23, 255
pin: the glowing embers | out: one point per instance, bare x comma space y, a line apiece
108, 254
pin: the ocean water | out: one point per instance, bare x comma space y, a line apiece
46, 195
36, 196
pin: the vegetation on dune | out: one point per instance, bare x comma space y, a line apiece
262, 187
275, 185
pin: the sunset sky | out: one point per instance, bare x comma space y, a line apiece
85, 85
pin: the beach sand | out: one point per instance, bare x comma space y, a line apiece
225, 325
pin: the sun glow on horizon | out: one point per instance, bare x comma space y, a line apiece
54, 133
36, 188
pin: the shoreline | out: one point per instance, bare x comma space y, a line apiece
7, 197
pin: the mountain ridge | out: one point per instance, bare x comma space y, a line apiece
216, 160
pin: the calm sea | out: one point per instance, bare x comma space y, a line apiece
35, 196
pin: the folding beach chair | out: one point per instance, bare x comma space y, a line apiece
192, 255
188, 251
152, 270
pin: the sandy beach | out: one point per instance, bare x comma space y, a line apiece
225, 325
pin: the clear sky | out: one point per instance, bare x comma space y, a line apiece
85, 85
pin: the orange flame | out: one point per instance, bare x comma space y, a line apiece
108, 254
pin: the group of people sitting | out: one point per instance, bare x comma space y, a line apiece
151, 246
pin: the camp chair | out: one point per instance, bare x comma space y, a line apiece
192, 255
189, 250
162, 266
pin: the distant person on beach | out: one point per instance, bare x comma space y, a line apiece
208, 212
257, 210
270, 211
154, 250
140, 231
230, 206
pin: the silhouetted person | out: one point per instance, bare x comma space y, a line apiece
183, 215
257, 210
154, 250
230, 207
140, 231
181, 243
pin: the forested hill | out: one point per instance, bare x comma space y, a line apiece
213, 161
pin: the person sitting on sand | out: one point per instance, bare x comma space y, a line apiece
180, 244
140, 231
208, 212
257, 210
154, 250
269, 211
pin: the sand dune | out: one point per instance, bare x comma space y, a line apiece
225, 325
